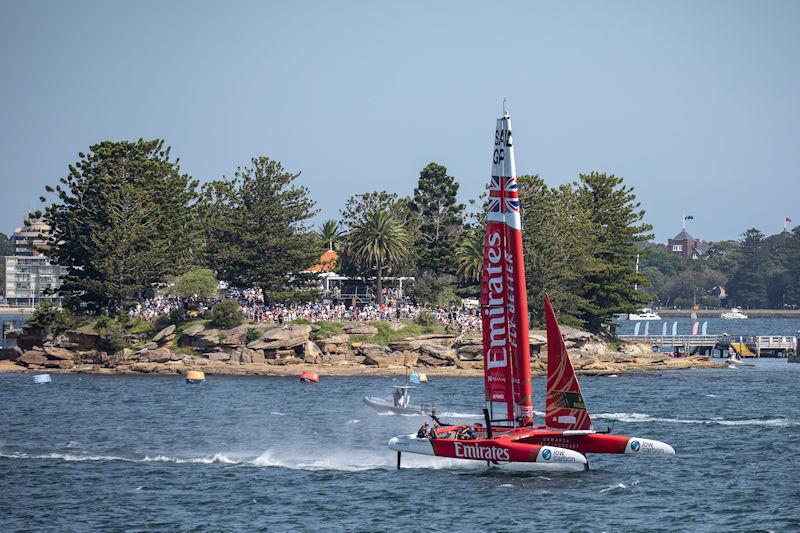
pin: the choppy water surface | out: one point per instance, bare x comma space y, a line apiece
257, 453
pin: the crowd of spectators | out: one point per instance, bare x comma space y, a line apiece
251, 302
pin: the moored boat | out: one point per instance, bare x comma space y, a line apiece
644, 314
734, 314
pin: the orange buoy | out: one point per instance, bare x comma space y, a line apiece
195, 376
309, 377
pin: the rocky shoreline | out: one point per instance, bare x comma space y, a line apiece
268, 349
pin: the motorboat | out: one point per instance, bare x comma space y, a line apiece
734, 314
400, 404
644, 314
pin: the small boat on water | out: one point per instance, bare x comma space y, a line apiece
42, 378
509, 439
644, 314
734, 314
400, 403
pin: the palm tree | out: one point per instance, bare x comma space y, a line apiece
469, 256
377, 242
330, 232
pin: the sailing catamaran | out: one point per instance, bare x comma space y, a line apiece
509, 438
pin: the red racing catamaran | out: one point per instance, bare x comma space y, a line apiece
509, 439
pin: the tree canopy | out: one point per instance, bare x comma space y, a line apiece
440, 219
122, 220
256, 228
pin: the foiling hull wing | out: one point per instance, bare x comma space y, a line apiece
598, 442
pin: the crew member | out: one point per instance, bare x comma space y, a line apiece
423, 431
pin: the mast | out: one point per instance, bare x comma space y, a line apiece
504, 305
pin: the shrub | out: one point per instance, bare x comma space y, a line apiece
253, 334
425, 317
112, 332
175, 317
50, 319
226, 314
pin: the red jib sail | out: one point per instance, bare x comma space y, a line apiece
504, 305
565, 408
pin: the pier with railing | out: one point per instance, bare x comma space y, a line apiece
749, 346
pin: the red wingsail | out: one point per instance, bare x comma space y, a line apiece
565, 408
504, 306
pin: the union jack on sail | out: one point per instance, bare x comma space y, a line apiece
501, 188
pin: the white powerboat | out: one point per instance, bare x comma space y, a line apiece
400, 404
734, 314
644, 314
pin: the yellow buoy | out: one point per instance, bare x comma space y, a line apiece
195, 376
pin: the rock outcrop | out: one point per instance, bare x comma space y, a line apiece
258, 348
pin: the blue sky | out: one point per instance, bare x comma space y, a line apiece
696, 104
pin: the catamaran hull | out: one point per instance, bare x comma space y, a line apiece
500, 453
382, 406
600, 443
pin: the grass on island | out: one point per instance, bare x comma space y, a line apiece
386, 334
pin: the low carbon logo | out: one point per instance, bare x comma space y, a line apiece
547, 454
635, 445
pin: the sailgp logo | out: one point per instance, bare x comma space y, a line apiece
547, 454
635, 445
474, 451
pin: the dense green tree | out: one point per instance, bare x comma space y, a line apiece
558, 243
748, 286
792, 283
122, 220
50, 319
331, 233
617, 223
693, 287
256, 228
198, 282
441, 220
434, 290
378, 242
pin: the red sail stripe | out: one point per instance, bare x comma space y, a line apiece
494, 319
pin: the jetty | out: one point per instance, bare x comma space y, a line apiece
751, 346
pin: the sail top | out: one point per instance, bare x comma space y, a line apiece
503, 193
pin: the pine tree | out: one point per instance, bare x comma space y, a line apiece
123, 220
748, 286
256, 228
617, 225
558, 246
441, 220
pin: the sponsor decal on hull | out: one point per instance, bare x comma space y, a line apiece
554, 455
477, 451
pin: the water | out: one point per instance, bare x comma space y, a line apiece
716, 326
89, 453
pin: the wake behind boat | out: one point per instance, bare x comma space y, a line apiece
509, 438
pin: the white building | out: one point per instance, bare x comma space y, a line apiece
30, 280
30, 276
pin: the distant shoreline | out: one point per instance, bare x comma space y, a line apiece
294, 370
715, 313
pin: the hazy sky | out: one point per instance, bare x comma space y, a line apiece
696, 104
